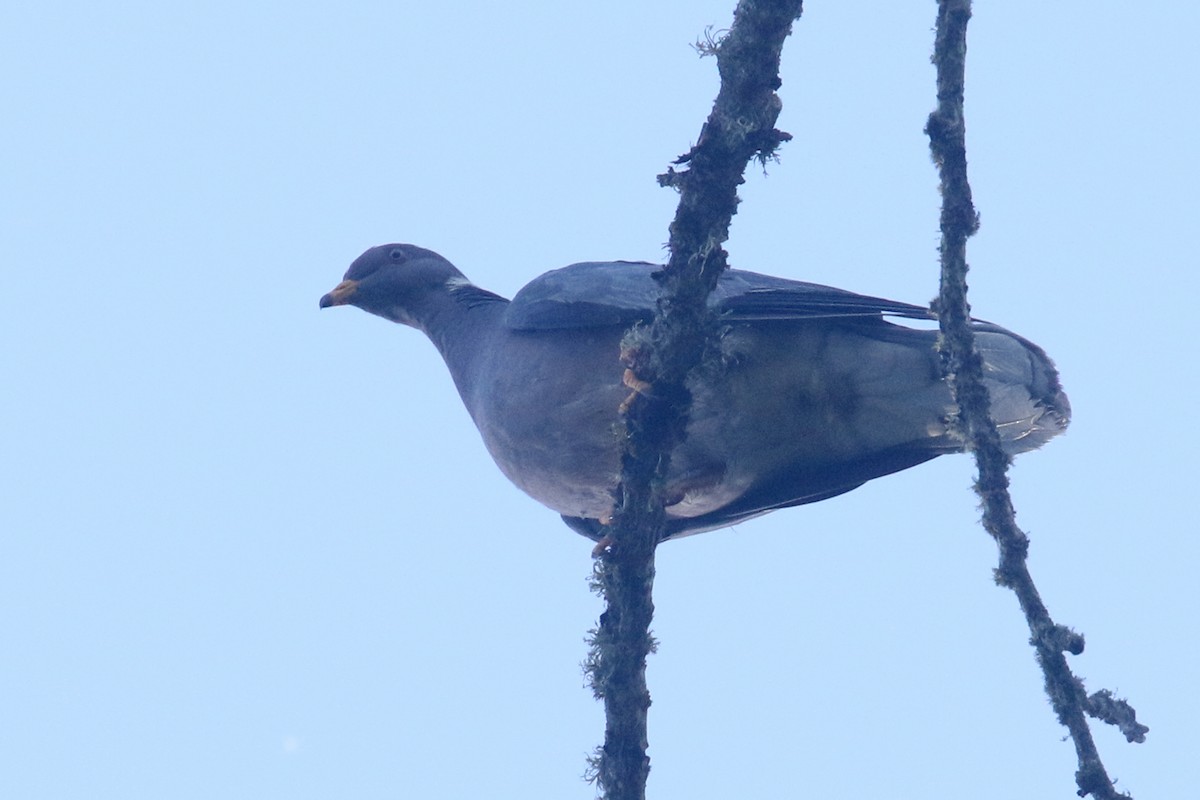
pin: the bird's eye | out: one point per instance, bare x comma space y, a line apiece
398, 255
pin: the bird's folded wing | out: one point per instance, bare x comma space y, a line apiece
595, 294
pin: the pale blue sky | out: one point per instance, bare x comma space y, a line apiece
253, 550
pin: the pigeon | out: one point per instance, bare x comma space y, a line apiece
813, 390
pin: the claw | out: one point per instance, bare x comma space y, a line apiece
638, 385
602, 546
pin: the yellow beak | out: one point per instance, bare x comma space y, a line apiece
340, 295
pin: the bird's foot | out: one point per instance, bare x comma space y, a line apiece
634, 357
639, 386
602, 546
605, 542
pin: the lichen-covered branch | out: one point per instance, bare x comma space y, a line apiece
659, 357
959, 221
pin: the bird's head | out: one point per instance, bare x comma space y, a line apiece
395, 281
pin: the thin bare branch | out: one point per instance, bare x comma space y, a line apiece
660, 356
947, 141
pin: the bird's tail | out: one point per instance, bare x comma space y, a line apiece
1028, 404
